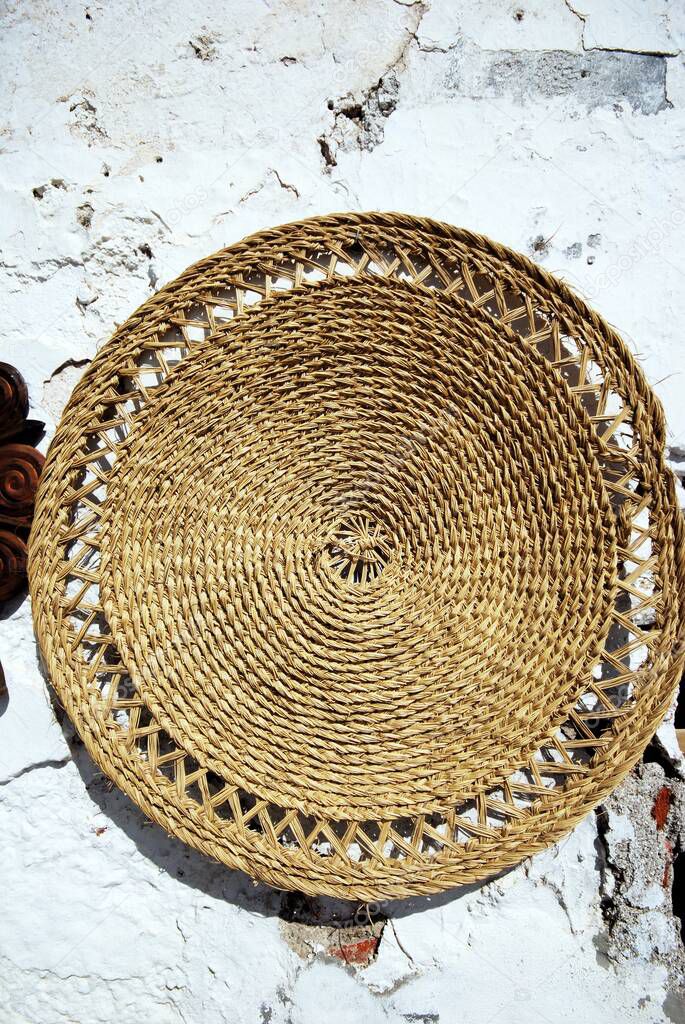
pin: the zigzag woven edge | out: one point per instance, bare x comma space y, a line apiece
395, 878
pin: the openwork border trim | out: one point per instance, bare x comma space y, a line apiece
568, 753
626, 693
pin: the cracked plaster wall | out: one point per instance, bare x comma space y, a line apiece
135, 139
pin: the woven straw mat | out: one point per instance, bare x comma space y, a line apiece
355, 561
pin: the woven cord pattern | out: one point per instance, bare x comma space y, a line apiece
355, 560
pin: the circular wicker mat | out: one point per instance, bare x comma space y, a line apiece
355, 562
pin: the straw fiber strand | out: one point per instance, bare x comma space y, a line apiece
355, 560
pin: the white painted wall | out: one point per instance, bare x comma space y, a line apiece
175, 129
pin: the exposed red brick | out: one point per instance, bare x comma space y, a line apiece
661, 807
360, 952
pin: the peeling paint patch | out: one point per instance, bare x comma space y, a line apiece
359, 952
638, 865
661, 807
203, 46
360, 123
331, 929
84, 215
591, 79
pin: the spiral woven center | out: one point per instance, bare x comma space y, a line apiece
354, 558
359, 550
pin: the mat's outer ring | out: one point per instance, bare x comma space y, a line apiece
515, 841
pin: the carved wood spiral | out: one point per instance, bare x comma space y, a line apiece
14, 400
13, 558
20, 467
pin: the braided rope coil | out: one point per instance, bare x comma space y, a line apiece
355, 561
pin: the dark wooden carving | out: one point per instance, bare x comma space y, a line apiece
13, 559
20, 466
14, 401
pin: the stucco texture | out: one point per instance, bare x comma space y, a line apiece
137, 138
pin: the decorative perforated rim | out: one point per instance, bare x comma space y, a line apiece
605, 731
